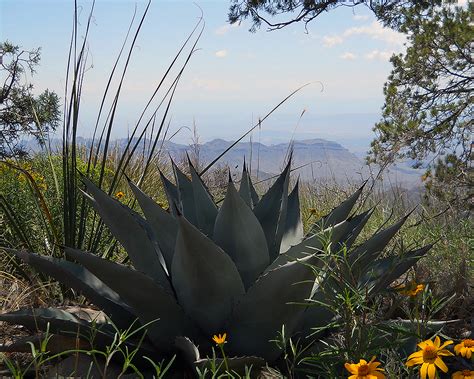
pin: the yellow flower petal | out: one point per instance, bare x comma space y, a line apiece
445, 344
431, 371
437, 341
416, 354
424, 370
415, 361
351, 367
423, 344
439, 362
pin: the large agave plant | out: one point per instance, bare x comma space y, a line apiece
244, 268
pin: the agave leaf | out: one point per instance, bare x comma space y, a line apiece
80, 279
402, 265
355, 225
338, 214
271, 212
274, 300
206, 209
171, 193
293, 231
311, 245
238, 232
247, 190
371, 249
186, 195
60, 322
315, 315
188, 349
205, 279
133, 232
163, 223
56, 344
151, 302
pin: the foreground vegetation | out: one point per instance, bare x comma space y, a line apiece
382, 285
436, 289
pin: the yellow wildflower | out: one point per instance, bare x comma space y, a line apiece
429, 357
411, 289
119, 195
220, 339
364, 370
464, 374
465, 348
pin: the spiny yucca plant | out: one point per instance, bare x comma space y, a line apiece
244, 268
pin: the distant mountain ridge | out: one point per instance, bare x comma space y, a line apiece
319, 159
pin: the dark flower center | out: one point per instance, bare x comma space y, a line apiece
469, 343
430, 353
363, 370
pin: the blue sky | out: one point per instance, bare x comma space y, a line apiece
233, 79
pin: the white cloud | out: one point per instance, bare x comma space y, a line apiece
221, 53
379, 55
360, 17
376, 31
330, 41
224, 29
348, 56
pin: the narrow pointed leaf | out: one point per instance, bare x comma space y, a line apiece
205, 279
186, 195
311, 245
315, 315
206, 209
340, 213
293, 231
133, 232
150, 301
247, 190
171, 193
273, 301
80, 279
240, 235
188, 349
371, 249
271, 212
403, 264
60, 322
163, 223
355, 225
